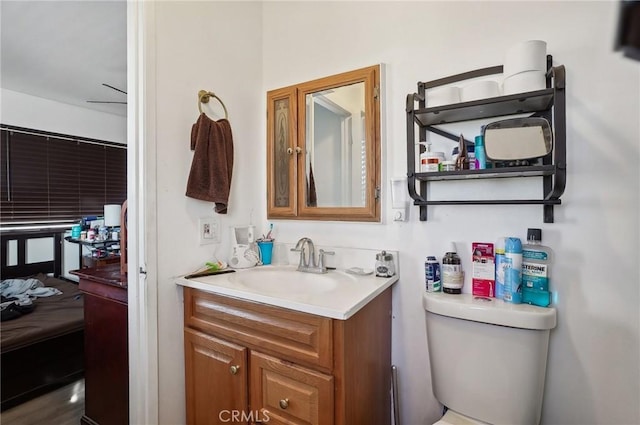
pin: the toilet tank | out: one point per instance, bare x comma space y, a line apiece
488, 357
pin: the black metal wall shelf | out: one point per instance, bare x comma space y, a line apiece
490, 173
492, 202
487, 108
548, 103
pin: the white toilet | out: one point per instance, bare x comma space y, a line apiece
488, 358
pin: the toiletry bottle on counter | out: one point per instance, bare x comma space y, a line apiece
500, 266
384, 265
432, 274
536, 259
452, 274
513, 270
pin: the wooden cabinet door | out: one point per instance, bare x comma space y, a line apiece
282, 152
284, 393
216, 379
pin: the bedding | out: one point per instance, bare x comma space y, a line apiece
52, 316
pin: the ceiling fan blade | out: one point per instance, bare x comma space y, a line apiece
116, 89
105, 101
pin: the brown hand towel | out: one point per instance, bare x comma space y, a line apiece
212, 165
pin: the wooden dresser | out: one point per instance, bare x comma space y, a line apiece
106, 348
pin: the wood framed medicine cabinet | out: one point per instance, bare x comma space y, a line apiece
323, 148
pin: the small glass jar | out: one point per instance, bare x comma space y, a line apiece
384, 265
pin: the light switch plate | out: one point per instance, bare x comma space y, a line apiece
209, 230
401, 214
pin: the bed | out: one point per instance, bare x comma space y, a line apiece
44, 349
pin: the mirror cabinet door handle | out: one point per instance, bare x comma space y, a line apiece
284, 403
234, 369
289, 151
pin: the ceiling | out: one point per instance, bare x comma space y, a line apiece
65, 50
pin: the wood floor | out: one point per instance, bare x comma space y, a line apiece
61, 407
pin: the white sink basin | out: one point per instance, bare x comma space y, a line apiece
288, 281
335, 294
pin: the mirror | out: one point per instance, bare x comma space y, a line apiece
329, 169
518, 139
335, 153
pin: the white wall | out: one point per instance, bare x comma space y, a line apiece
242, 50
23, 110
200, 46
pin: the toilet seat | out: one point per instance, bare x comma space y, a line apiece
455, 418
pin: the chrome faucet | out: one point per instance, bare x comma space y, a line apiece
308, 262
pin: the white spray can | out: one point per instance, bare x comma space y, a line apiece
513, 270
500, 265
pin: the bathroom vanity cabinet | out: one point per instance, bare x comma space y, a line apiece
548, 103
268, 364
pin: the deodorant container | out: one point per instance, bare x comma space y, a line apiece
513, 270
500, 264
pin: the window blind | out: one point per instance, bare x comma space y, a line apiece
48, 178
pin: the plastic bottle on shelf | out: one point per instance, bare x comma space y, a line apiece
471, 155
481, 154
429, 161
536, 262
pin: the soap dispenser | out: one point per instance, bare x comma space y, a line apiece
429, 161
384, 265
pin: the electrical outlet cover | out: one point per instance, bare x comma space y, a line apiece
208, 230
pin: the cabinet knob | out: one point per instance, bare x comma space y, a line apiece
284, 403
298, 149
289, 151
234, 369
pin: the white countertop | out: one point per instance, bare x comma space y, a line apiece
345, 295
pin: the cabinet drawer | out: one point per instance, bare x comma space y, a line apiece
291, 335
289, 394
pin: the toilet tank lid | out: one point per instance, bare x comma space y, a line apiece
489, 310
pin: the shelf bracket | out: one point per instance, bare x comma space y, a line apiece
448, 135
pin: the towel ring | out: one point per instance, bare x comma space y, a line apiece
204, 96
